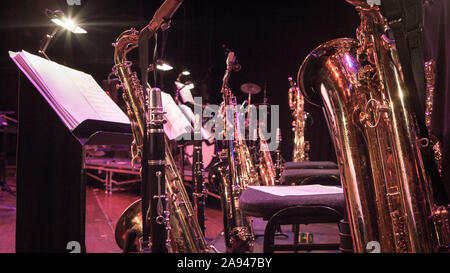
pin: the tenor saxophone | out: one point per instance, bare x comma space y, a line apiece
185, 233
297, 105
267, 169
360, 85
234, 173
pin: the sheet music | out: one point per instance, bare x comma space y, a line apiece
102, 104
24, 62
74, 95
177, 124
298, 190
185, 93
187, 111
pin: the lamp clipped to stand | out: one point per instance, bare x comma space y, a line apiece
61, 22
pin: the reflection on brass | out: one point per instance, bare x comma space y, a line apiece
267, 169
360, 85
297, 105
133, 91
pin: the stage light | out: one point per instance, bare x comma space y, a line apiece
184, 73
61, 20
163, 66
69, 25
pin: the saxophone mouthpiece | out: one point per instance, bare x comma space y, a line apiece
291, 82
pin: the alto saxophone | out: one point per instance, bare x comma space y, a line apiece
234, 173
267, 169
185, 233
359, 83
297, 105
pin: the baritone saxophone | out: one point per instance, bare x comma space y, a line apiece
267, 169
360, 85
297, 105
234, 173
185, 233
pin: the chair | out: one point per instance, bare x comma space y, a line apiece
301, 209
310, 172
302, 205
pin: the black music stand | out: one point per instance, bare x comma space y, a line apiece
6, 128
51, 179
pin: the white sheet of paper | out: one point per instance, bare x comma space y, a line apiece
298, 190
177, 124
187, 111
74, 95
185, 93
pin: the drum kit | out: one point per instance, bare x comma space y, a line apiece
209, 147
250, 89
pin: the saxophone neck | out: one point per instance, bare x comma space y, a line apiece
126, 42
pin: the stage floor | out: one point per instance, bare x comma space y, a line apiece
102, 212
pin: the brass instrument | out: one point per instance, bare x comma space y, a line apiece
133, 91
360, 85
267, 169
185, 233
297, 105
234, 173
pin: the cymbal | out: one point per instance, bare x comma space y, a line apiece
250, 88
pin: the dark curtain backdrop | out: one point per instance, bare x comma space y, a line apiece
437, 47
270, 38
